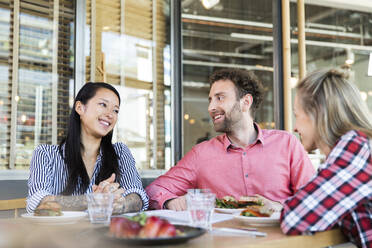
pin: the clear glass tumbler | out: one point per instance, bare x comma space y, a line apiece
200, 205
100, 206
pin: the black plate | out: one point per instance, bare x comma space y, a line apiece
189, 233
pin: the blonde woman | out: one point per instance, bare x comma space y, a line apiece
331, 115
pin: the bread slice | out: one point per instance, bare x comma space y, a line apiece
48, 209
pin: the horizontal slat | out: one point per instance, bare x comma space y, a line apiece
12, 204
138, 4
138, 12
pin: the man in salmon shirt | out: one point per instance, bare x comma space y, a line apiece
243, 161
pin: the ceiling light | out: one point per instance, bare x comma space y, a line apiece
293, 81
23, 118
208, 4
364, 95
349, 57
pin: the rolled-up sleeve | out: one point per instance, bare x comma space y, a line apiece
302, 170
39, 182
129, 178
175, 182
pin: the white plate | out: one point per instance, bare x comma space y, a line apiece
68, 217
273, 220
228, 210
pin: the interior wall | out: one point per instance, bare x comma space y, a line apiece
13, 189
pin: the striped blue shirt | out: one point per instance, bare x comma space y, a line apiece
48, 174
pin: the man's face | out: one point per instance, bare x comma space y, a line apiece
224, 106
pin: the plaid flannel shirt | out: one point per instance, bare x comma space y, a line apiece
340, 193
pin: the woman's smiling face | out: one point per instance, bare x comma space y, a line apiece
99, 115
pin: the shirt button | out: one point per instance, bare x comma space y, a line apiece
246, 175
244, 153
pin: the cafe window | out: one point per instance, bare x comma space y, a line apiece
224, 34
36, 72
127, 45
336, 37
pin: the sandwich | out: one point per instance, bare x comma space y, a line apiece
256, 211
227, 202
244, 201
257, 207
48, 209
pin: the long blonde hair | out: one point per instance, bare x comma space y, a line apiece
334, 104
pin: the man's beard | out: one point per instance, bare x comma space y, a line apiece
229, 121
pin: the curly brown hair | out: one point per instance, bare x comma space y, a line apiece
245, 82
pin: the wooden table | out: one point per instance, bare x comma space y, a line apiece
21, 233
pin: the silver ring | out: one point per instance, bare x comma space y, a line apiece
112, 188
104, 184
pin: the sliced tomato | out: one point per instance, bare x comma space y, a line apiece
253, 213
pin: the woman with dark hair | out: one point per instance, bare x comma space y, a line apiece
86, 161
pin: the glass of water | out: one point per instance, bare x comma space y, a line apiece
100, 207
200, 205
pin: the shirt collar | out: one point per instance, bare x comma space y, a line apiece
227, 143
99, 157
259, 133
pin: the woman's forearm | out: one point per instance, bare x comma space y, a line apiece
132, 203
128, 204
68, 202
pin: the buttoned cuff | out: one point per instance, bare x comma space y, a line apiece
142, 194
34, 200
163, 198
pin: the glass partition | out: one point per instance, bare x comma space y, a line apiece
336, 37
228, 34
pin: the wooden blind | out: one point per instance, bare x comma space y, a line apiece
65, 63
5, 87
160, 38
138, 17
28, 104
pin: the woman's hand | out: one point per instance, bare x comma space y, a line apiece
106, 186
109, 186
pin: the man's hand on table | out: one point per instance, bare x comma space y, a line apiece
177, 204
269, 204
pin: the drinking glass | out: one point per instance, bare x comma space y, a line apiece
200, 205
100, 207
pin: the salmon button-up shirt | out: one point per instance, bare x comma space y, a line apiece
275, 166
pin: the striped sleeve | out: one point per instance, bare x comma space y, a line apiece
130, 179
39, 182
